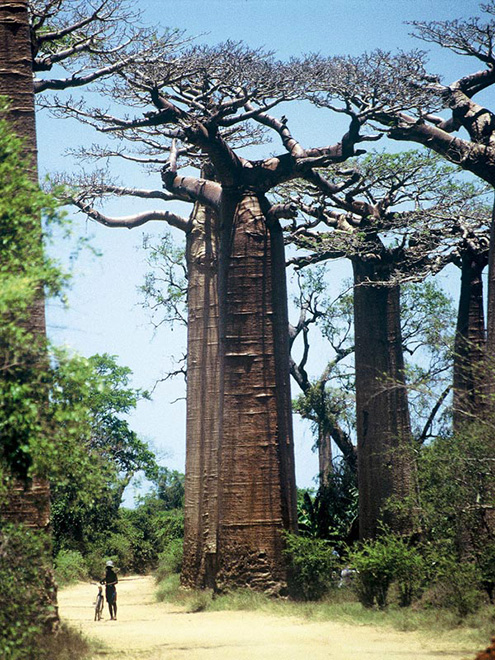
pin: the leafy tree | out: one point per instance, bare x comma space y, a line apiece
80, 517
332, 513
455, 477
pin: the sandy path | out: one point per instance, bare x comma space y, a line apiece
159, 631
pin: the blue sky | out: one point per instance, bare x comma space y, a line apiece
104, 313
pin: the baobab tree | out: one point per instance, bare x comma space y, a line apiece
195, 107
386, 246
412, 104
30, 506
469, 384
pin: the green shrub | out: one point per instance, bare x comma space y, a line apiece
312, 567
114, 546
70, 567
170, 560
26, 585
456, 585
381, 562
170, 526
168, 588
95, 562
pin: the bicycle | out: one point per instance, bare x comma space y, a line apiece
100, 602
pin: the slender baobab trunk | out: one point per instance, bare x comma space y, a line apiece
469, 352
257, 498
203, 392
490, 321
385, 466
325, 464
29, 503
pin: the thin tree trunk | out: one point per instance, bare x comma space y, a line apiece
469, 351
385, 466
203, 391
29, 503
257, 498
325, 464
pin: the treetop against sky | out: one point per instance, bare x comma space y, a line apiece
104, 314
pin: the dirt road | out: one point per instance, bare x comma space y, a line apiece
149, 630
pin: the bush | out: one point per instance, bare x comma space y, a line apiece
312, 567
170, 560
168, 588
95, 562
455, 585
383, 561
28, 593
170, 526
114, 546
70, 567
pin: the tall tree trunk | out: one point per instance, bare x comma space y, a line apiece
385, 465
257, 496
474, 374
203, 392
29, 503
490, 321
469, 350
325, 464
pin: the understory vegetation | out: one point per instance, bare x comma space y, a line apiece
427, 580
136, 540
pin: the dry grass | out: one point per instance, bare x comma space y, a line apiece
341, 605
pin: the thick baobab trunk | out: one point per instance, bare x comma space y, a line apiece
385, 465
469, 351
29, 503
203, 392
257, 497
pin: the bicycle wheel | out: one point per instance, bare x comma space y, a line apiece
98, 607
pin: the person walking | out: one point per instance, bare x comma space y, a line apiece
110, 580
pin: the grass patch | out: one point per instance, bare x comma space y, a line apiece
67, 644
341, 605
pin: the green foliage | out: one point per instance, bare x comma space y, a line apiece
456, 586
313, 566
132, 538
428, 325
169, 488
43, 433
70, 567
381, 562
456, 476
27, 610
331, 514
25, 272
84, 512
170, 559
165, 286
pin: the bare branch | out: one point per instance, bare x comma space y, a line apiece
132, 221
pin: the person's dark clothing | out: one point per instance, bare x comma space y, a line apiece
110, 580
